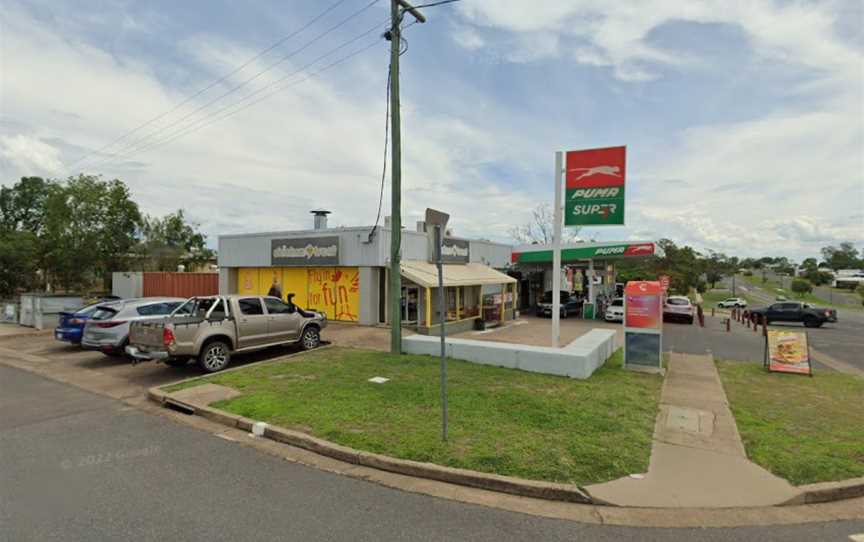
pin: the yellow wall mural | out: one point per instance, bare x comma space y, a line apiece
335, 291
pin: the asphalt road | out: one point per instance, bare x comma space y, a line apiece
843, 340
77, 466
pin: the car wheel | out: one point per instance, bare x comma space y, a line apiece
176, 362
214, 357
563, 313
311, 338
811, 322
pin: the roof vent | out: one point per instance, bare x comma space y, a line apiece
320, 218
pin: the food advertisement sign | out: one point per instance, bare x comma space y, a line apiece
787, 352
595, 187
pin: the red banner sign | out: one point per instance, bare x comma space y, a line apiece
643, 307
664, 283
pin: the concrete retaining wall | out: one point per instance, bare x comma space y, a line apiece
579, 359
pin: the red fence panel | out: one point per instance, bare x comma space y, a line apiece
180, 284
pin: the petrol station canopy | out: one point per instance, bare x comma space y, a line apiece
585, 251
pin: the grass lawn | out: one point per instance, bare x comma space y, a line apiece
803, 429
501, 420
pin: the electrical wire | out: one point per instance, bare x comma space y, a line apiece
215, 119
433, 4
129, 147
383, 169
209, 86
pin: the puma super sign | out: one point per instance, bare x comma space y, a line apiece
595, 187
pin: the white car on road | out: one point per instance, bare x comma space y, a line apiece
615, 310
736, 302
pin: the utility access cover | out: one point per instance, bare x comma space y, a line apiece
694, 421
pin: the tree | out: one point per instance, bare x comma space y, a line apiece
540, 230
717, 265
18, 257
170, 241
22, 206
843, 257
801, 287
89, 230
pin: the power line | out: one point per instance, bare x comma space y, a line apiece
220, 114
384, 169
433, 4
211, 85
213, 120
135, 143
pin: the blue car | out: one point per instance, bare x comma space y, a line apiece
71, 326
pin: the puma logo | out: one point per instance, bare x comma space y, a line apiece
605, 170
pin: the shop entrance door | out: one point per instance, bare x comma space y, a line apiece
410, 300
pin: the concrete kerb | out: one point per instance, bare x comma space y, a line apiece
492, 482
809, 494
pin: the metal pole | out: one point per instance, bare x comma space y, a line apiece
396, 186
395, 285
439, 259
556, 253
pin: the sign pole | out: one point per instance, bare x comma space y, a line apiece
556, 253
439, 258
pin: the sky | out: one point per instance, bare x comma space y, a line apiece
743, 120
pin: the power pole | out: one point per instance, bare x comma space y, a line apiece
397, 7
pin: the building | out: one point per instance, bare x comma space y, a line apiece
587, 268
343, 272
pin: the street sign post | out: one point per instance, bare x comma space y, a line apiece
438, 221
595, 187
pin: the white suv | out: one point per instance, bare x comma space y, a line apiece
736, 302
615, 310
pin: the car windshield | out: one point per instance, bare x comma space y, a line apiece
617, 303
547, 297
677, 301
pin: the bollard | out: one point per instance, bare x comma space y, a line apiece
701, 315
764, 326
728, 320
712, 312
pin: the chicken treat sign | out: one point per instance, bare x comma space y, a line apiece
595, 187
643, 324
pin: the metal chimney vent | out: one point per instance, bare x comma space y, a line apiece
320, 218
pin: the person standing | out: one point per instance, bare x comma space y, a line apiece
275, 289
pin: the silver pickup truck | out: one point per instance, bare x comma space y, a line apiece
210, 329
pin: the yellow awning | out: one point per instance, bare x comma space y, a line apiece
472, 274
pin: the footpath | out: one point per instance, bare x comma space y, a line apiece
697, 457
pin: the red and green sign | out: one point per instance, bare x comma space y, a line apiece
586, 253
595, 187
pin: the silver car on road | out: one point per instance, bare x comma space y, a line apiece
107, 330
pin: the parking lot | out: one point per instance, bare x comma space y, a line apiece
116, 377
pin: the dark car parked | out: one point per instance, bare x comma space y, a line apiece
569, 305
793, 311
70, 327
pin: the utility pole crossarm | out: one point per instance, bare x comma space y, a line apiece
412, 10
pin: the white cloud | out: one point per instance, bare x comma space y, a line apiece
28, 153
617, 32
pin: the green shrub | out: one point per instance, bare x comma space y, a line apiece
801, 287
